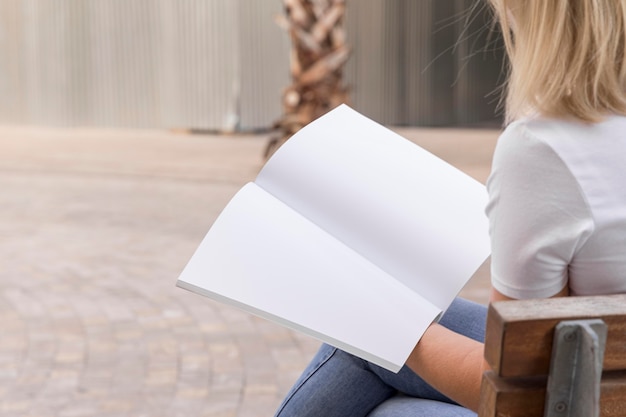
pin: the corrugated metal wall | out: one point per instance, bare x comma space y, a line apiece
264, 62
216, 65
201, 63
479, 73
11, 72
222, 64
61, 65
423, 62
119, 61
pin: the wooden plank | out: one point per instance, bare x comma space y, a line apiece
519, 333
525, 397
511, 397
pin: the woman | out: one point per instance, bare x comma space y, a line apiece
557, 210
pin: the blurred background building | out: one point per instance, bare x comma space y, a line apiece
221, 65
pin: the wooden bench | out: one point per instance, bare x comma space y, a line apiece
555, 357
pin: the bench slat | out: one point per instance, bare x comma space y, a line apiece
525, 397
519, 333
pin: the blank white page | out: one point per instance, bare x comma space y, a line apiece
265, 258
414, 215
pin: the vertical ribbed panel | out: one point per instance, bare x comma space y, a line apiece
432, 101
215, 65
414, 62
372, 73
480, 56
123, 63
402, 68
201, 63
47, 61
88, 62
11, 72
264, 56
222, 64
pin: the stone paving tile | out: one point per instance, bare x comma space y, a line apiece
95, 227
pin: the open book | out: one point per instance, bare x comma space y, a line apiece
350, 234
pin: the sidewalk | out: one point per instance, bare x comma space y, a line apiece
95, 227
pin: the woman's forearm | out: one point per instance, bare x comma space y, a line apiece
451, 363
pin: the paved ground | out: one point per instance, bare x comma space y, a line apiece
95, 226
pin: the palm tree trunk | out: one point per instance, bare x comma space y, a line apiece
318, 54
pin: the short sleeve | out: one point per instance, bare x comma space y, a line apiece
538, 216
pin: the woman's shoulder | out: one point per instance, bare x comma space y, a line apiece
525, 138
567, 138
561, 149
545, 128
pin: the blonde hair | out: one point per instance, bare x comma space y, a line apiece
567, 58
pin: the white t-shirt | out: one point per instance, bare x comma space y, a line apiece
557, 208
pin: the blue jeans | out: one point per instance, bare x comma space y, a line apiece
336, 383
